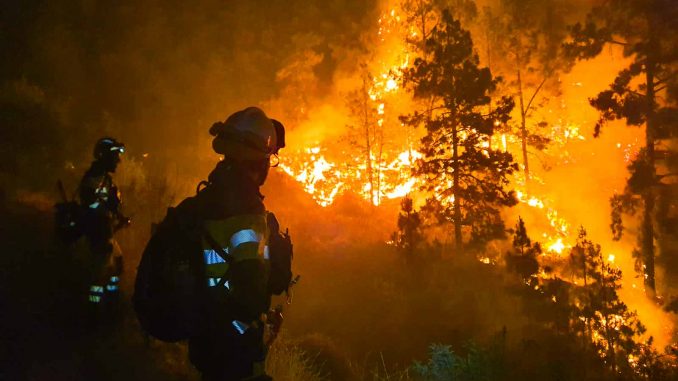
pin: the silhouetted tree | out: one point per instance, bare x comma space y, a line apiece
644, 93
367, 134
409, 235
528, 34
468, 178
600, 316
422, 16
523, 259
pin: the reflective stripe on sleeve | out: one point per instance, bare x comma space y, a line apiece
240, 326
244, 236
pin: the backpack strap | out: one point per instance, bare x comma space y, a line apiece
220, 252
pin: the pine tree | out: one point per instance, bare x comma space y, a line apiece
409, 236
423, 16
467, 178
600, 316
645, 93
523, 259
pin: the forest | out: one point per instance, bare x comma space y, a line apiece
475, 189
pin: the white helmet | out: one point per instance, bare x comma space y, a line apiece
247, 135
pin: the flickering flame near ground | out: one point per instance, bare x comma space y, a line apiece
325, 174
325, 180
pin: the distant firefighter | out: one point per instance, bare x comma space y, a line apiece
101, 217
209, 270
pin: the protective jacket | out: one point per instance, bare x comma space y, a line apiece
100, 200
234, 244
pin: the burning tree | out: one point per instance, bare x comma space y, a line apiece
645, 93
600, 316
528, 35
367, 133
466, 177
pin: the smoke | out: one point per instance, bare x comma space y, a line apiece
157, 74
581, 176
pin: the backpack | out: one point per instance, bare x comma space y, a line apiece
167, 286
67, 218
171, 290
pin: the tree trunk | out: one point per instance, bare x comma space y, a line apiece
368, 145
381, 153
489, 66
523, 129
647, 247
455, 189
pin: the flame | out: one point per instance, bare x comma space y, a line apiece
326, 175
559, 227
557, 246
324, 180
316, 176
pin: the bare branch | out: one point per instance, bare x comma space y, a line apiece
618, 42
529, 104
637, 93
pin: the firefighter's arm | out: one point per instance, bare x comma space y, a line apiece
88, 190
249, 291
114, 205
248, 294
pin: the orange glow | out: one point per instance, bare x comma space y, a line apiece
571, 178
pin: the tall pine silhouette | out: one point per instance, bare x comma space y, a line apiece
467, 179
643, 94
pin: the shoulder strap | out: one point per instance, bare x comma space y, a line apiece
215, 246
220, 252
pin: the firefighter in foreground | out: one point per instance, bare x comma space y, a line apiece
101, 217
209, 270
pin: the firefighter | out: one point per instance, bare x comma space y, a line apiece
237, 268
101, 217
